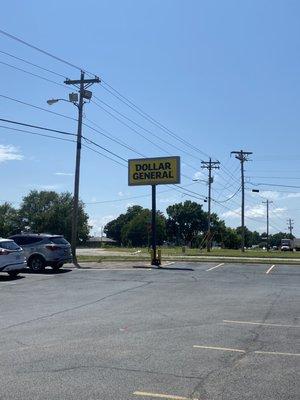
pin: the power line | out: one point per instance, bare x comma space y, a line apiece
37, 107
33, 74
113, 91
133, 197
39, 49
32, 64
273, 184
37, 134
37, 127
104, 155
140, 126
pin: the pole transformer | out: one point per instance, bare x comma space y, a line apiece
210, 165
242, 156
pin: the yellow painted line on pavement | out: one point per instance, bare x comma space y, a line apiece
219, 348
162, 396
270, 269
216, 266
277, 353
226, 321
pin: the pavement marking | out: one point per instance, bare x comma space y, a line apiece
219, 348
270, 269
162, 396
226, 321
103, 269
274, 353
277, 353
216, 266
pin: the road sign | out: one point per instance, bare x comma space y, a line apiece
154, 171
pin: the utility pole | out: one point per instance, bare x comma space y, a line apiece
83, 94
210, 165
290, 226
267, 202
242, 156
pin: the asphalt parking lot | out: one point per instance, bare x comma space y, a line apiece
203, 331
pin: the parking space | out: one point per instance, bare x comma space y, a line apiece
192, 331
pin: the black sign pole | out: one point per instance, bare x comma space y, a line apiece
153, 226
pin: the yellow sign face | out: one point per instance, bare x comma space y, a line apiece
154, 171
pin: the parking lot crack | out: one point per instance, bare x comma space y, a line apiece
77, 307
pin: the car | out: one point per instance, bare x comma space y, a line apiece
12, 257
43, 250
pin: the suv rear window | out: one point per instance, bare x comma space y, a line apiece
9, 245
59, 240
26, 240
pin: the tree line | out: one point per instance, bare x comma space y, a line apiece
185, 224
44, 212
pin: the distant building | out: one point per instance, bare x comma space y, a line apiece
99, 241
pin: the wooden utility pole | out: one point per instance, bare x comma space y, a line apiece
290, 226
83, 94
268, 202
209, 165
242, 156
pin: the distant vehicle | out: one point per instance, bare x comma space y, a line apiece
12, 257
43, 250
290, 244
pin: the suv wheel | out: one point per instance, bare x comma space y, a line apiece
37, 264
13, 274
56, 267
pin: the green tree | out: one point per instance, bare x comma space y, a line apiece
137, 232
185, 222
51, 212
275, 239
113, 229
9, 223
231, 239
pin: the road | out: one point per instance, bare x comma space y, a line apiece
203, 331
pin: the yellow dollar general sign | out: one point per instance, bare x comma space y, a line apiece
154, 171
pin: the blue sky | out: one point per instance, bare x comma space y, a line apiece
223, 75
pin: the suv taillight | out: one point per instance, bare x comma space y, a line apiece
52, 247
4, 252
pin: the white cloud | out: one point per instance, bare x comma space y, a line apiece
9, 153
293, 195
43, 187
257, 211
199, 175
98, 223
269, 194
232, 213
121, 194
49, 187
167, 200
63, 173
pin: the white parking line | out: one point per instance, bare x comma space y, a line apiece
162, 396
277, 353
216, 266
270, 269
219, 348
226, 321
274, 353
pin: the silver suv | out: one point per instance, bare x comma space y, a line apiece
43, 250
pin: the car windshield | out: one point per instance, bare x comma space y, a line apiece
9, 245
59, 240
